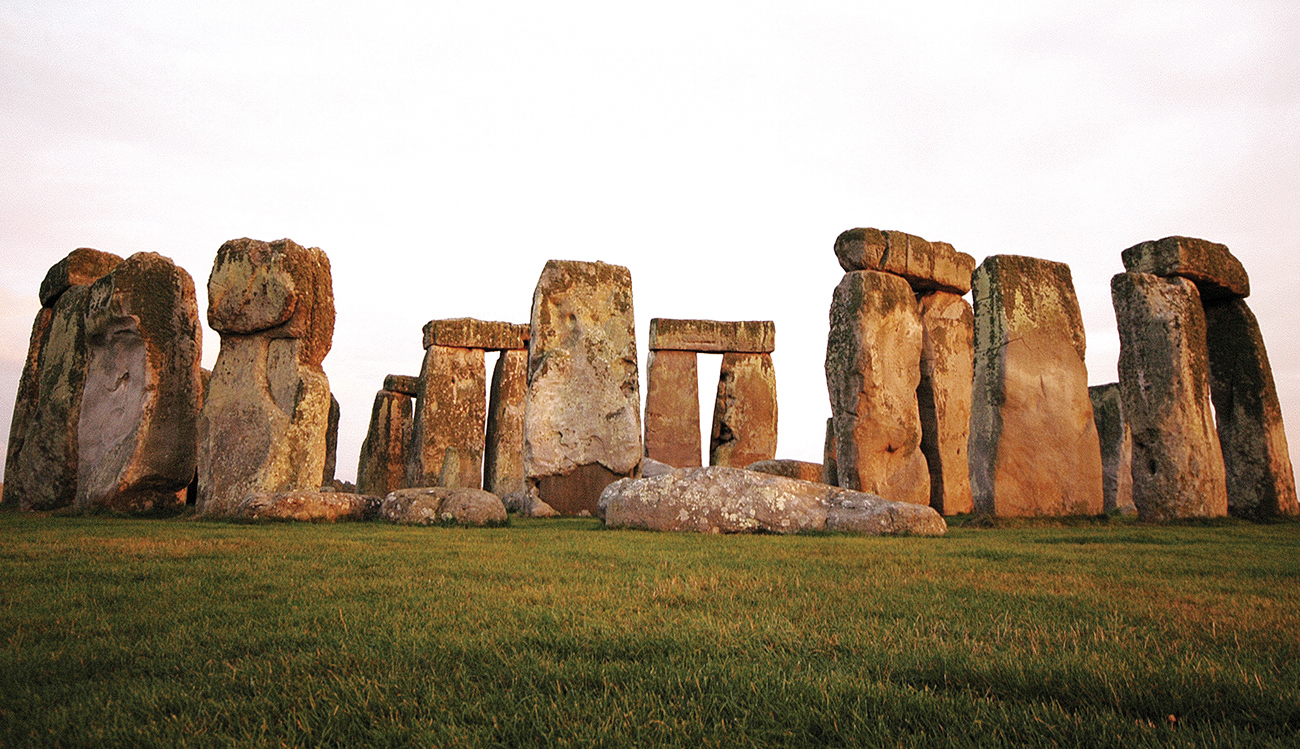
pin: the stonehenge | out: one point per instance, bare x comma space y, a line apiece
1116, 438
382, 465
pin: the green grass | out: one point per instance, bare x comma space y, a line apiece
120, 632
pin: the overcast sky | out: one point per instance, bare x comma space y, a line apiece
440, 153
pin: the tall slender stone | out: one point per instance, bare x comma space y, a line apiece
382, 465
1033, 442
25, 405
331, 443
503, 456
1116, 447
672, 408
944, 398
1178, 468
830, 456
873, 367
450, 412
744, 411
1248, 415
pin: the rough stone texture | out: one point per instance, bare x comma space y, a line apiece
82, 267
404, 384
503, 454
1217, 273
672, 408
652, 467
25, 403
1248, 416
264, 422
830, 456
1116, 447
382, 466
582, 424
1178, 469
331, 443
138, 427
307, 505
927, 266
448, 432
718, 499
443, 505
944, 398
744, 411
1033, 443
873, 367
713, 336
467, 332
794, 469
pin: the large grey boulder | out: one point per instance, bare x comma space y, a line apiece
439, 505
717, 499
307, 505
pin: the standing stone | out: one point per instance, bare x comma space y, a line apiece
503, 456
1033, 442
1116, 447
830, 456
744, 412
263, 425
944, 398
138, 428
1260, 480
450, 412
331, 443
382, 466
1164, 383
25, 404
672, 408
873, 367
582, 423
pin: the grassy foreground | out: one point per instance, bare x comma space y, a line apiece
119, 632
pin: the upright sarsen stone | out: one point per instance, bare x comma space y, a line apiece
382, 466
744, 411
582, 423
1033, 442
1116, 447
672, 408
873, 367
1178, 467
944, 398
503, 454
450, 410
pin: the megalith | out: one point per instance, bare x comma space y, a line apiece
1033, 441
138, 428
944, 397
582, 421
1211, 266
744, 411
263, 426
503, 456
1116, 447
927, 266
1178, 468
382, 465
672, 408
331, 443
873, 356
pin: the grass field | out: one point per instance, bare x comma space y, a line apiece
119, 632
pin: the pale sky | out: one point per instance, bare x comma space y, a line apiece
440, 153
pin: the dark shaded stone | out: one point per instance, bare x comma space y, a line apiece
404, 384
1116, 447
331, 443
1216, 272
82, 267
578, 491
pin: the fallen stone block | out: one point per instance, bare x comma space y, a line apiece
308, 505
793, 469
443, 505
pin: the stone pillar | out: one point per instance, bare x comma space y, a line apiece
138, 428
1116, 447
744, 411
873, 367
263, 425
1033, 442
582, 421
450, 413
503, 458
672, 408
1248, 416
382, 466
1178, 468
830, 456
944, 398
331, 443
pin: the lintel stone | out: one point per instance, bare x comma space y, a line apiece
713, 336
927, 266
1215, 271
468, 332
404, 384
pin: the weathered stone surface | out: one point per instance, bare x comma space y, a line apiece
718, 499
25, 403
713, 336
443, 505
1248, 416
672, 408
830, 456
1033, 444
927, 266
1217, 273
873, 367
944, 398
744, 411
138, 427
503, 453
382, 466
467, 332
404, 384
1116, 447
794, 469
82, 267
450, 415
1164, 383
307, 505
582, 424
652, 467
331, 443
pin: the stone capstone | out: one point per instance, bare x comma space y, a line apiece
1216, 272
927, 266
1116, 448
443, 505
467, 332
744, 411
382, 465
82, 267
944, 398
672, 408
713, 336
307, 505
795, 469
404, 384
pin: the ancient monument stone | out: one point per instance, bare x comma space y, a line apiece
262, 429
382, 466
672, 407
873, 356
1033, 442
944, 398
927, 266
582, 423
82, 267
830, 459
404, 384
503, 457
1216, 272
744, 412
468, 332
1178, 469
307, 505
1248, 416
794, 469
713, 336
138, 427
441, 505
1116, 447
331, 443
450, 411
